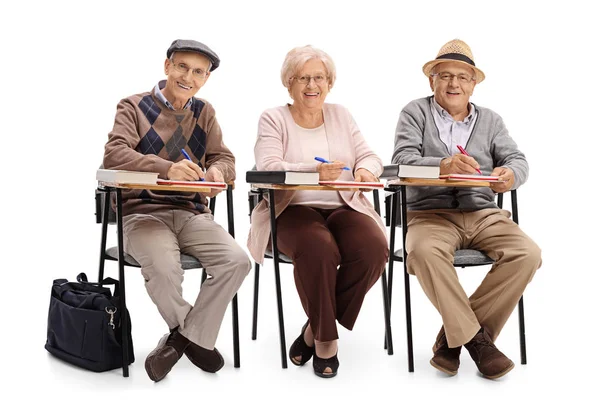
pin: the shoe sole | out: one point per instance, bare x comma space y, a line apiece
322, 375
501, 374
442, 369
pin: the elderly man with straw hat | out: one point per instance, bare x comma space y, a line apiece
449, 131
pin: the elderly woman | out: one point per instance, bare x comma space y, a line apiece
320, 230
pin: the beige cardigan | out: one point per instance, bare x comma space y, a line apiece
277, 148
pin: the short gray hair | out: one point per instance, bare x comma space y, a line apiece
297, 57
209, 62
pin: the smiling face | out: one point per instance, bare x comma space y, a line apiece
453, 95
181, 86
310, 97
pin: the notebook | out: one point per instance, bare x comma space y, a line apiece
359, 185
461, 177
283, 177
121, 176
212, 185
395, 171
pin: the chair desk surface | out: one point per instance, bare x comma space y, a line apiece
396, 183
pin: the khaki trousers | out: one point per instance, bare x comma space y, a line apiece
432, 238
156, 241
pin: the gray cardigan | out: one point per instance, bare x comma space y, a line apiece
418, 143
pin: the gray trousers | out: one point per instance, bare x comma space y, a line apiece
156, 241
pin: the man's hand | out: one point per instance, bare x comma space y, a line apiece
364, 175
185, 170
508, 179
459, 164
330, 171
214, 175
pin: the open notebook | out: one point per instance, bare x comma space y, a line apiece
359, 185
463, 177
212, 185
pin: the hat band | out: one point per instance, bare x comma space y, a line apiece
457, 57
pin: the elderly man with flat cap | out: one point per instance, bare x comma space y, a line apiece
153, 132
444, 219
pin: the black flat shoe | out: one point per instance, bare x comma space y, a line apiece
300, 349
321, 364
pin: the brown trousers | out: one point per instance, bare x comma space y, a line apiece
318, 241
434, 235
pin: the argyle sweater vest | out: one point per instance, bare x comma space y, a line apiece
148, 136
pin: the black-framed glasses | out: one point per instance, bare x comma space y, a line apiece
305, 80
198, 73
447, 76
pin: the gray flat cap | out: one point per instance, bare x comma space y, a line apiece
196, 47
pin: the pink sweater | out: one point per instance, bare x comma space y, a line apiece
277, 148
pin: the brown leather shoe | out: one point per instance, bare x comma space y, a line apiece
206, 360
490, 361
169, 350
445, 359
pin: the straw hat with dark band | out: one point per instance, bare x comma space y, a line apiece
458, 51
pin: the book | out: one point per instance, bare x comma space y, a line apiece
121, 176
395, 171
212, 185
283, 177
359, 185
462, 177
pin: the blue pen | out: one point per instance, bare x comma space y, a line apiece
187, 156
329, 162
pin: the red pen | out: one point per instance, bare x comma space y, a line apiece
463, 151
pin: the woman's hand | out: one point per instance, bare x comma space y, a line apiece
330, 171
364, 175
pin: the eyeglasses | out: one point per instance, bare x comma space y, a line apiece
198, 73
447, 76
305, 80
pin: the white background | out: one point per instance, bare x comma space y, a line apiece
65, 65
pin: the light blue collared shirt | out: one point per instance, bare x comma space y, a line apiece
164, 100
453, 132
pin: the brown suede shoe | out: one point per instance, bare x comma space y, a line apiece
169, 350
445, 359
206, 360
489, 360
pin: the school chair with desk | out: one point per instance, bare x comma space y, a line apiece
254, 197
107, 216
463, 257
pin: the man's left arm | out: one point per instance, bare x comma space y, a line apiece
509, 162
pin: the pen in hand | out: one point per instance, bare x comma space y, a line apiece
187, 156
463, 151
329, 162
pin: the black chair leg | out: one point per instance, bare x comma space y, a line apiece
391, 257
124, 327
522, 331
386, 314
411, 363
236, 332
255, 306
277, 278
